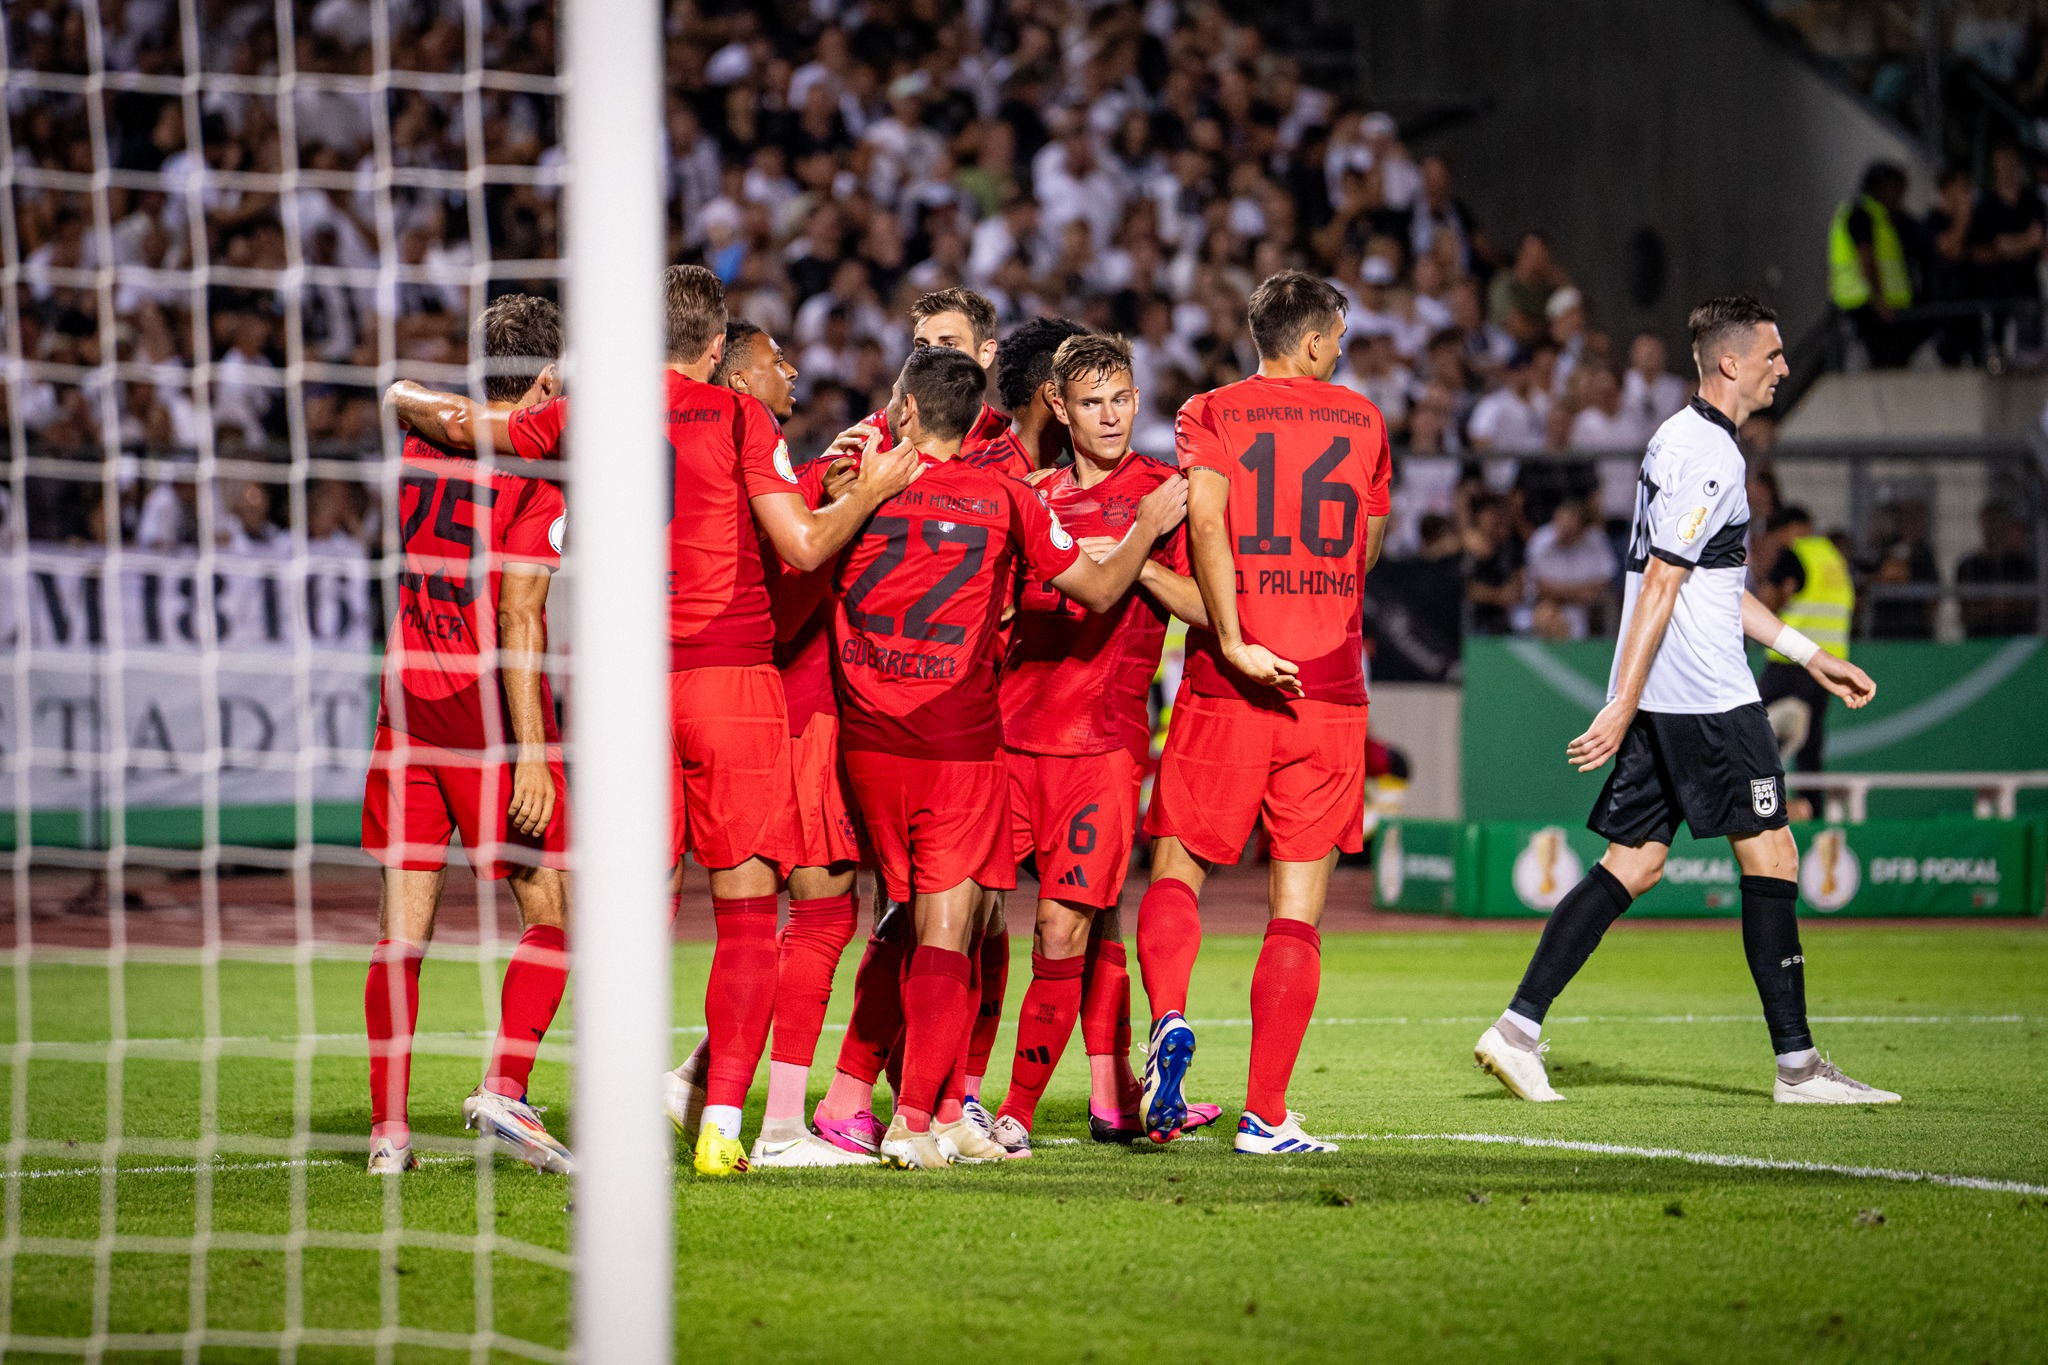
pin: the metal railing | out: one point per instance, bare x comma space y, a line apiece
1846, 796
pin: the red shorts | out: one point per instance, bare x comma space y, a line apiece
732, 794
1228, 761
826, 824
933, 823
420, 796
1078, 814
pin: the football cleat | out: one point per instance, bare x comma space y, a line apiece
1254, 1138
1827, 1085
983, 1121
718, 1154
806, 1151
962, 1142
682, 1094
1012, 1136
861, 1134
1200, 1116
388, 1158
517, 1128
1164, 1113
1519, 1069
1102, 1130
910, 1151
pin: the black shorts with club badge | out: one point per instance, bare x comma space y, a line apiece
1719, 774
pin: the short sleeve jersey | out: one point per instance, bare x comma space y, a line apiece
918, 598
991, 443
803, 622
460, 524
1307, 463
728, 450
1692, 510
1075, 681
536, 432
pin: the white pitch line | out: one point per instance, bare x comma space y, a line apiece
1749, 1163
218, 1168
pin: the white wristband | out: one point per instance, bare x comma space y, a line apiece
1795, 646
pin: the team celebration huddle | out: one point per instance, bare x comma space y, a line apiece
929, 651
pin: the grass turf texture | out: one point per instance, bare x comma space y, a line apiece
1427, 1249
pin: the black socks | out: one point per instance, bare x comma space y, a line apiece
1575, 929
1770, 939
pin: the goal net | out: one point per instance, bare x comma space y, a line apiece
226, 226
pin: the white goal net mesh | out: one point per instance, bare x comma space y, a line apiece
225, 227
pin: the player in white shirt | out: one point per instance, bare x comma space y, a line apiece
1684, 725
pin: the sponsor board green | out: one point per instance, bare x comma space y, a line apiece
1883, 868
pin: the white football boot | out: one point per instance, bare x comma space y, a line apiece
804, 1152
1825, 1084
1519, 1069
388, 1158
909, 1151
518, 1131
1254, 1138
1012, 1136
682, 1095
983, 1121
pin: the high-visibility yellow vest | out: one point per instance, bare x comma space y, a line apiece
1847, 284
1821, 611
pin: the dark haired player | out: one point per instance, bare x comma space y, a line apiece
466, 742
1287, 508
1076, 736
918, 599
1023, 375
1686, 727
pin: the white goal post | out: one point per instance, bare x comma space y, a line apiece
624, 1236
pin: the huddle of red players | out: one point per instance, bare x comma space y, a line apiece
929, 651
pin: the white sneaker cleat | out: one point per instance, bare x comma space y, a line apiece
1519, 1069
1825, 1084
388, 1158
517, 1128
966, 1145
804, 1152
1254, 1138
910, 1151
683, 1097
1012, 1136
983, 1121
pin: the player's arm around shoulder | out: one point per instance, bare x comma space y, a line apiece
807, 538
1100, 585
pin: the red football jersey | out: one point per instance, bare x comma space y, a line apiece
459, 524
803, 623
536, 432
728, 450
1075, 682
989, 444
1307, 463
917, 599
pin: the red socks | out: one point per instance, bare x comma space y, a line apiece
1106, 1001
1169, 936
877, 1020
1044, 1023
391, 1010
937, 1005
992, 960
1284, 986
534, 982
817, 933
740, 996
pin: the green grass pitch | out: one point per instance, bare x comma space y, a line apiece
1399, 1247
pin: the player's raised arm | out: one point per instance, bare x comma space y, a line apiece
1662, 579
522, 647
1839, 676
806, 539
1100, 586
459, 423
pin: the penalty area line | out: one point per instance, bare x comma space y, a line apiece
1723, 1159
